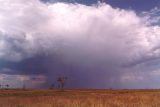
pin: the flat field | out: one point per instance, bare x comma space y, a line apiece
79, 98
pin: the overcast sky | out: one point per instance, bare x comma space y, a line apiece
114, 44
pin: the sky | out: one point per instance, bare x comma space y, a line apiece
136, 5
96, 44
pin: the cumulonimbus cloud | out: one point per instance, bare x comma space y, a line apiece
85, 36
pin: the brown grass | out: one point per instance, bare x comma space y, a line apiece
80, 98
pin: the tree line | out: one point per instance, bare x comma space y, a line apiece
6, 86
61, 84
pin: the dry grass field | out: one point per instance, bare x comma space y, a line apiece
80, 98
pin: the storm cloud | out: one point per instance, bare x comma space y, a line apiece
95, 46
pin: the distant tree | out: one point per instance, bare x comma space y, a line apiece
52, 86
62, 81
110, 88
0, 86
59, 86
24, 87
7, 86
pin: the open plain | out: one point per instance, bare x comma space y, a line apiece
79, 98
